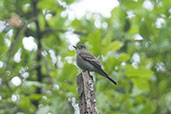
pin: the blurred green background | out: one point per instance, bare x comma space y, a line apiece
37, 63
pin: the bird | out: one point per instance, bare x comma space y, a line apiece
86, 61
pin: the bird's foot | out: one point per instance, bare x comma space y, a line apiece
86, 71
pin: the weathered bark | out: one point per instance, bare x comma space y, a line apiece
87, 99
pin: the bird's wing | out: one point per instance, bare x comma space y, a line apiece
90, 58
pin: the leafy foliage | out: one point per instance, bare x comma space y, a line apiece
135, 51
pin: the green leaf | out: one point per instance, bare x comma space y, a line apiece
35, 96
42, 21
124, 57
113, 62
119, 18
94, 39
148, 108
116, 45
141, 83
26, 105
68, 71
61, 106
139, 76
48, 4
54, 74
33, 83
131, 4
139, 72
3, 46
43, 110
107, 39
113, 46
57, 21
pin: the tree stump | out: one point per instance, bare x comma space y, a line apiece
87, 99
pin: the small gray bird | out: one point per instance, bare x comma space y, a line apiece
87, 61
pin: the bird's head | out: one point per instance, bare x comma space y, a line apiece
80, 48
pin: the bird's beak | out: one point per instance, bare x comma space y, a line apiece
75, 47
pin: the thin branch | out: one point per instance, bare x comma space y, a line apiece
39, 55
12, 48
18, 37
47, 30
14, 45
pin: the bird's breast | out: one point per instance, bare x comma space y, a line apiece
83, 64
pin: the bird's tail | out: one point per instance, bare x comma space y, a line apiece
105, 75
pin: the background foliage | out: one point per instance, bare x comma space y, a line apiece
135, 51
